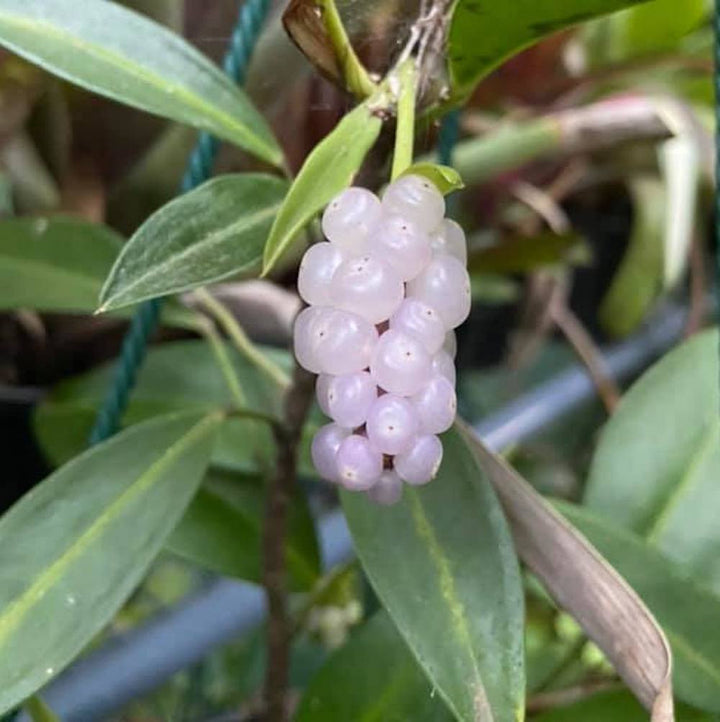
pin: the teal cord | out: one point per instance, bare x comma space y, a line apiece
199, 168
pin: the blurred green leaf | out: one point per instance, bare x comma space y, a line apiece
54, 264
222, 530
38, 711
483, 33
686, 612
74, 548
176, 376
115, 52
373, 677
615, 706
443, 564
445, 179
216, 231
639, 280
526, 254
326, 171
657, 465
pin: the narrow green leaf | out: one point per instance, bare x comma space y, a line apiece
326, 171
446, 179
54, 264
483, 33
372, 678
216, 231
656, 468
38, 711
178, 376
639, 280
115, 52
443, 564
615, 706
74, 548
221, 530
686, 612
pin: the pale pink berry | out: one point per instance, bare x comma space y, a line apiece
368, 286
436, 405
359, 465
391, 424
402, 244
442, 365
400, 364
415, 318
350, 397
420, 463
350, 217
417, 199
388, 489
444, 285
324, 448
450, 240
316, 271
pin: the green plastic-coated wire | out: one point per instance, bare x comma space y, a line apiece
242, 42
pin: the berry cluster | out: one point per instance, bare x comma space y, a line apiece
385, 292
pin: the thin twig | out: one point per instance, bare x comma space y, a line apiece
207, 328
564, 697
279, 625
240, 339
588, 352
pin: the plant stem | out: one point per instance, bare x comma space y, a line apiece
279, 625
240, 339
405, 132
355, 75
223, 361
38, 711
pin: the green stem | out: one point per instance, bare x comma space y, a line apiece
353, 71
38, 711
224, 362
240, 339
405, 132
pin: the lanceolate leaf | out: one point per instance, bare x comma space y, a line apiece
221, 530
372, 678
483, 33
683, 609
74, 548
657, 466
54, 264
115, 52
446, 179
216, 231
584, 584
326, 171
443, 564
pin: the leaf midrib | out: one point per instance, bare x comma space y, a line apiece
165, 87
17, 609
245, 223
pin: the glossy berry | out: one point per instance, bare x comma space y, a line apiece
419, 464
349, 398
444, 285
392, 424
350, 217
436, 405
417, 199
400, 364
415, 318
359, 465
387, 490
316, 271
324, 448
450, 240
402, 244
442, 365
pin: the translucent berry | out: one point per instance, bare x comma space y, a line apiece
444, 285
402, 244
442, 365
391, 424
420, 463
436, 405
450, 344
350, 217
450, 240
324, 448
388, 489
349, 398
359, 464
400, 364
368, 286
415, 318
417, 199
333, 341
316, 271
322, 386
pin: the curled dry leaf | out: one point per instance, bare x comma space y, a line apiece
584, 584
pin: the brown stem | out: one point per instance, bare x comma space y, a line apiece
588, 352
563, 697
279, 492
